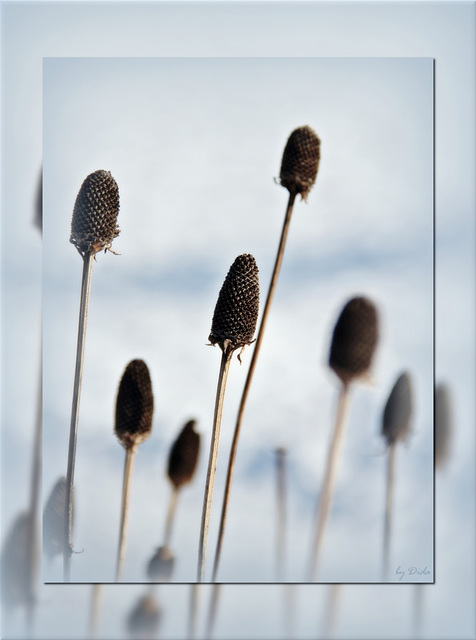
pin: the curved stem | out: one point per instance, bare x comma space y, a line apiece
73, 431
388, 509
126, 485
170, 515
212, 461
244, 396
329, 479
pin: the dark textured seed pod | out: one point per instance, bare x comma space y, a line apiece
161, 565
236, 310
354, 339
15, 571
183, 455
94, 222
53, 520
398, 411
442, 424
300, 161
144, 619
134, 405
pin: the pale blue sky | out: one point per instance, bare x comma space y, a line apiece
440, 30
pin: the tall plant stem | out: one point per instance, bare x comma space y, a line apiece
388, 509
330, 614
33, 541
73, 431
281, 512
244, 396
96, 597
329, 479
126, 485
170, 515
212, 460
193, 610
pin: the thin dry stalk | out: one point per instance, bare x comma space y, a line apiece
418, 610
281, 512
333, 459
170, 515
212, 611
73, 431
212, 461
388, 510
126, 485
330, 614
244, 396
193, 610
96, 598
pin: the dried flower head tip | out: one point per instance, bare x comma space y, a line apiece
53, 520
134, 405
161, 565
442, 424
398, 411
183, 455
94, 222
300, 161
236, 310
354, 340
144, 619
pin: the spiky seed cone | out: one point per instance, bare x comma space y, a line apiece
134, 405
53, 519
398, 411
300, 161
144, 619
354, 339
161, 565
442, 424
183, 455
236, 310
15, 571
94, 222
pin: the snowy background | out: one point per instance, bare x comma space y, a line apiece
427, 30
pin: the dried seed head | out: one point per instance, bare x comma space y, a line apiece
94, 222
398, 411
134, 405
53, 520
161, 565
236, 310
354, 340
144, 619
16, 587
183, 455
442, 424
300, 161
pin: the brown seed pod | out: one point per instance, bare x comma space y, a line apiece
144, 619
442, 424
94, 222
161, 565
134, 405
300, 161
398, 411
53, 520
354, 339
183, 455
236, 310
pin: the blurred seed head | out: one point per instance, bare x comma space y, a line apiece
354, 340
161, 565
16, 587
236, 310
144, 619
94, 222
398, 411
134, 405
183, 455
53, 520
300, 161
443, 427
